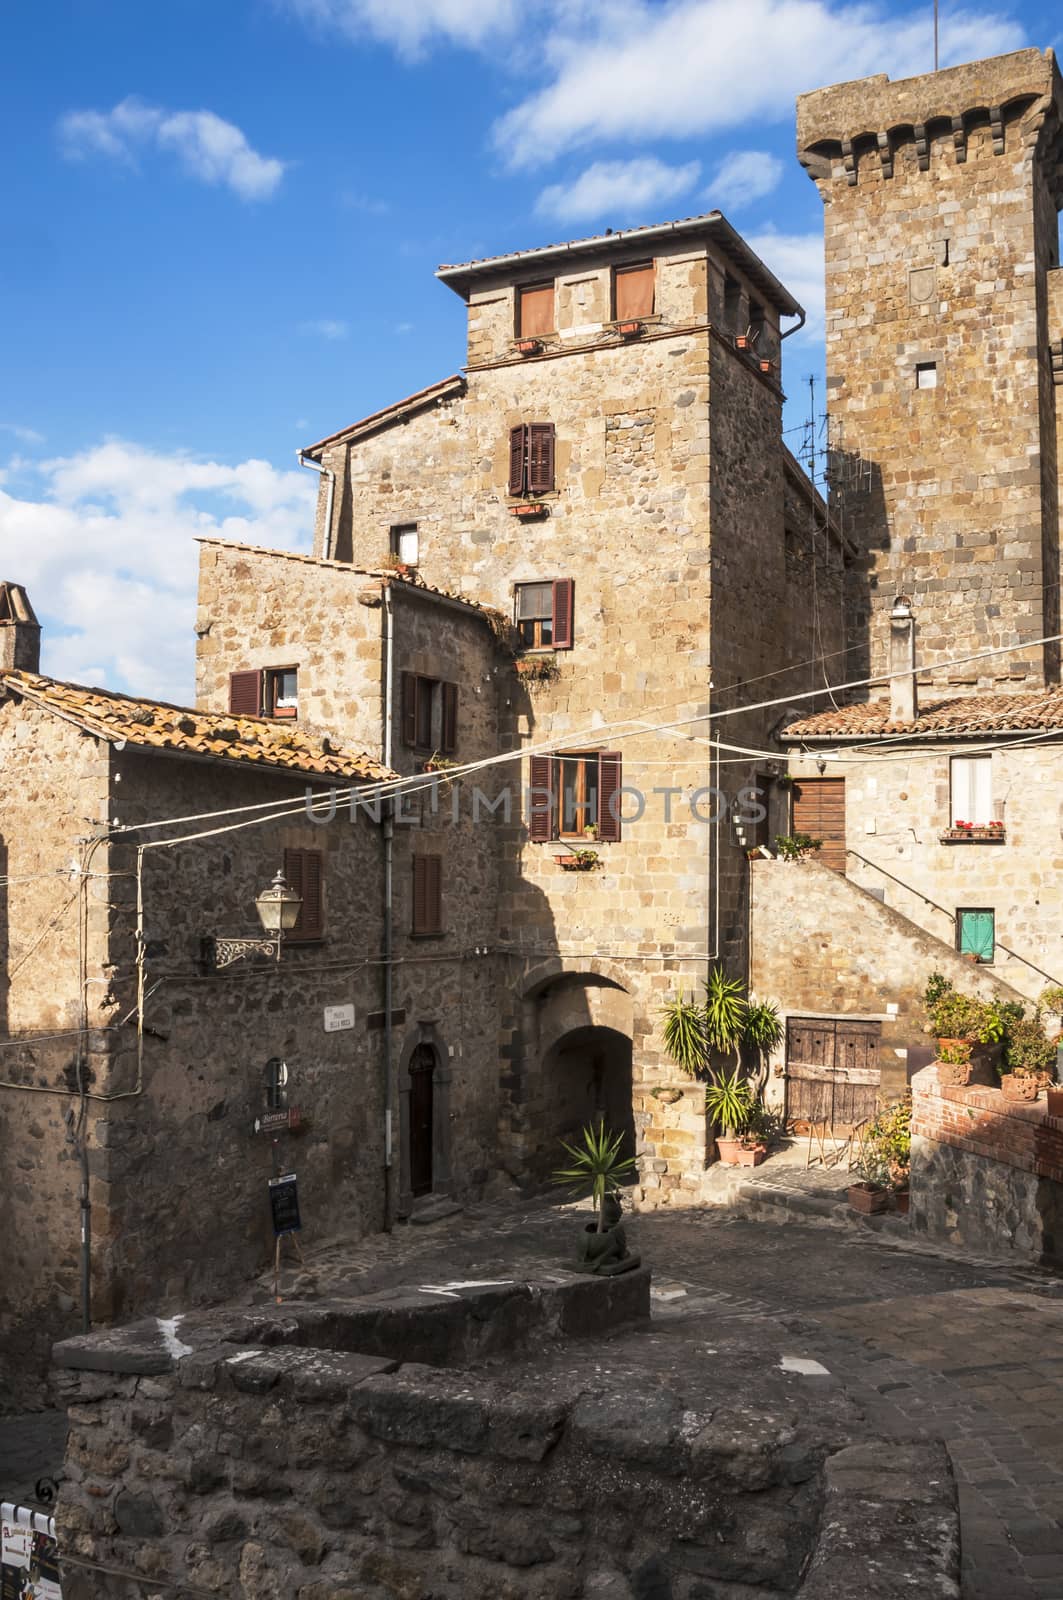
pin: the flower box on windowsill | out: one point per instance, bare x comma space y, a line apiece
579, 861
530, 511
975, 833
630, 330
529, 347
744, 341
768, 368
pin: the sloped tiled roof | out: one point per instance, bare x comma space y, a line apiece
966, 714
443, 390
390, 575
153, 725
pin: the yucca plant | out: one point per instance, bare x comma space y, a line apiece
596, 1161
725, 1011
684, 1035
763, 1030
729, 1101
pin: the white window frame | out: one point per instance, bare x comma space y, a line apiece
971, 790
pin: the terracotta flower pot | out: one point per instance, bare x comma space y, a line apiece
867, 1198
1019, 1086
733, 1153
1055, 1102
954, 1074
901, 1198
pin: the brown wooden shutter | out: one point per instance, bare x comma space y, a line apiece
245, 694
819, 810
536, 315
409, 709
427, 895
304, 872
563, 590
634, 292
540, 811
540, 457
518, 455
610, 780
450, 718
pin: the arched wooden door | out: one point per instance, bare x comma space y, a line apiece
422, 1118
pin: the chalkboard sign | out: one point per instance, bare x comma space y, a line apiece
284, 1204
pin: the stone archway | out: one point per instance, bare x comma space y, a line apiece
424, 1117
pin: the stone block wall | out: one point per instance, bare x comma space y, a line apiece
939, 233
987, 1172
897, 807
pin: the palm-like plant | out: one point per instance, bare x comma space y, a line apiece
729, 1101
763, 1029
684, 1035
725, 1012
596, 1161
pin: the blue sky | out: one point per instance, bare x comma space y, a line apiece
221, 226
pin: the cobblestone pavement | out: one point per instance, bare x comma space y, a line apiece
924, 1341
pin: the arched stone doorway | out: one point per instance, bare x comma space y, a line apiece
587, 1077
424, 1117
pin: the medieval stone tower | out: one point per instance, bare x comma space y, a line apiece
944, 355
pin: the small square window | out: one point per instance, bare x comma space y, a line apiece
282, 692
926, 374
976, 933
405, 545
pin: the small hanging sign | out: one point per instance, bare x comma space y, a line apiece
338, 1018
284, 1204
275, 1122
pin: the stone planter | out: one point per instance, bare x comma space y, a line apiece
954, 1074
733, 1153
867, 1198
1019, 1086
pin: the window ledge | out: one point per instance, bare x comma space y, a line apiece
441, 934
973, 836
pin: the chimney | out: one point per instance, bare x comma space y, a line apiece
20, 632
904, 705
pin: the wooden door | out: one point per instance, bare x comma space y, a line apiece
832, 1070
819, 810
422, 1119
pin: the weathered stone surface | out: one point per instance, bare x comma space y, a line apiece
138, 1516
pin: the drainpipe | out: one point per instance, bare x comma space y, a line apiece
389, 846
798, 325
324, 472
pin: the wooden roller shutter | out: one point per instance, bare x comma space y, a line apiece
427, 895
245, 694
819, 810
304, 872
610, 780
540, 800
518, 456
540, 457
450, 718
562, 605
634, 292
536, 315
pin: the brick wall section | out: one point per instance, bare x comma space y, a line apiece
940, 232
984, 1122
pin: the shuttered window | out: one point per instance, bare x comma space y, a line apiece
567, 794
531, 458
429, 714
976, 933
535, 311
304, 871
245, 694
633, 292
427, 895
544, 614
971, 786
819, 810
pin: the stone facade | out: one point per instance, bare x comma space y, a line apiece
987, 1172
941, 195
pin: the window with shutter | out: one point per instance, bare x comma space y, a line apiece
304, 871
610, 782
245, 694
971, 786
541, 800
535, 311
518, 458
976, 933
570, 794
409, 709
562, 622
429, 714
427, 915
544, 614
449, 740
540, 457
281, 694
633, 292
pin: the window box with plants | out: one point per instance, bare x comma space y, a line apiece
579, 861
631, 328
974, 833
529, 347
796, 846
530, 510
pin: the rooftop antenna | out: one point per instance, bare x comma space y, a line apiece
935, 35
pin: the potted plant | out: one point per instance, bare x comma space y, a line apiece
596, 1163
871, 1192
580, 861
438, 763
730, 1102
954, 1063
591, 831
891, 1132
763, 1029
1029, 1059
629, 330
529, 347
684, 1035
796, 846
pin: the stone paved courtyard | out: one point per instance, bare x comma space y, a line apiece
924, 1342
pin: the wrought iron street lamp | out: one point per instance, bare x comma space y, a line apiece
278, 909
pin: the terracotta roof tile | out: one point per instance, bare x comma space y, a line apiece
153, 725
454, 385
967, 714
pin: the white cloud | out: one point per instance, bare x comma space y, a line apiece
796, 259
103, 541
623, 188
326, 328
744, 177
209, 148
412, 26
689, 67
22, 434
